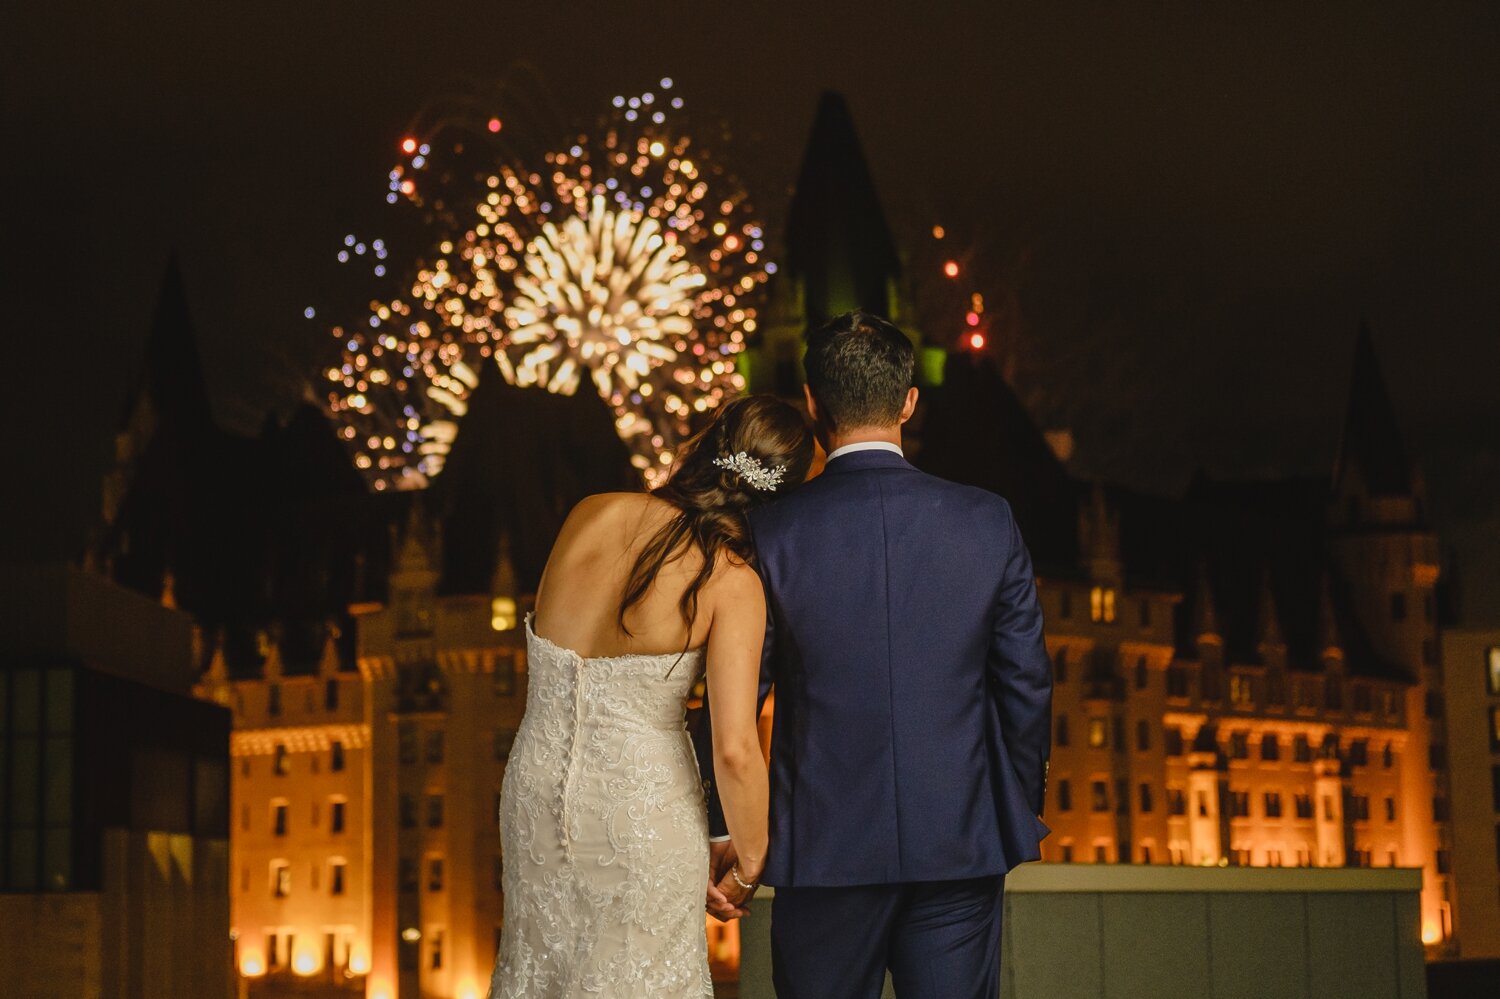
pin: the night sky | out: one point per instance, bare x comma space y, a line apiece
1195, 204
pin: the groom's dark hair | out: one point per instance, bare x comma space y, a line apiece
859, 368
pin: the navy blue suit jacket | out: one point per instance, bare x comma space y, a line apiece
913, 690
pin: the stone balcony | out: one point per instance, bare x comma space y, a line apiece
1090, 931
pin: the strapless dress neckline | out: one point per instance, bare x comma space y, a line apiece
628, 656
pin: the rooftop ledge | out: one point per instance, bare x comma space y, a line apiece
1052, 878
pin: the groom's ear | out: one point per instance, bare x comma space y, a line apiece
910, 406
812, 403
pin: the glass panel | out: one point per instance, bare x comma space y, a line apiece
23, 858
58, 860
58, 790
59, 701
24, 783
26, 701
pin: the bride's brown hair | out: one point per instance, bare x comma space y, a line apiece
712, 500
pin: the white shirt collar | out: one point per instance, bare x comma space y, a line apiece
867, 446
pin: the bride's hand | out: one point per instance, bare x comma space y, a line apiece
736, 897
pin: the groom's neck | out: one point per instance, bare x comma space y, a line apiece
864, 435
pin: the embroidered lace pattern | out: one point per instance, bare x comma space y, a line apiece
604, 833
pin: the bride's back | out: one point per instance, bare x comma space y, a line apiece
578, 600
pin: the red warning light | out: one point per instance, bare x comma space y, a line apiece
495, 124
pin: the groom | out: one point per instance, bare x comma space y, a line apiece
913, 700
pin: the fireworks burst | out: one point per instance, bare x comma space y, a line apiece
630, 260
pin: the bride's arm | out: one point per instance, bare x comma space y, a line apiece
735, 637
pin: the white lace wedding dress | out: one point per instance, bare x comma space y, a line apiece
603, 832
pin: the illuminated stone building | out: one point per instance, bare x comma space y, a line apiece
1248, 675
1471, 664
366, 850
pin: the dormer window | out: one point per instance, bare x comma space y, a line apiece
1102, 605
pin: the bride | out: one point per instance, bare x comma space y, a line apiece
602, 816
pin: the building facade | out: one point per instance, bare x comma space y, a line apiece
114, 786
1286, 707
1471, 664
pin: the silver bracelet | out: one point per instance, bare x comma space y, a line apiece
734, 872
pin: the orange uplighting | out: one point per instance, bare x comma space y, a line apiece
495, 124
305, 963
976, 340
1430, 933
408, 145
252, 965
951, 268
359, 960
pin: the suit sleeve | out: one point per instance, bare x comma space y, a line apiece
1020, 671
703, 738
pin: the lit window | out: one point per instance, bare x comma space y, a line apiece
1241, 693
1492, 668
503, 613
1098, 733
1102, 604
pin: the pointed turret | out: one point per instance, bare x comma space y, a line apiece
1371, 447
419, 543
1330, 639
328, 659
838, 247
172, 368
1269, 620
1099, 539
1206, 620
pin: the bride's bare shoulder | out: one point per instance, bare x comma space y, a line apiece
612, 509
